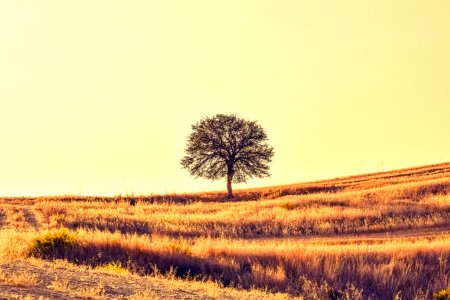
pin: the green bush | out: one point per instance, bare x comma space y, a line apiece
54, 244
442, 295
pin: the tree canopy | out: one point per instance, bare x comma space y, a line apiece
227, 146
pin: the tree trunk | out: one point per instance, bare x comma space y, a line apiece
229, 188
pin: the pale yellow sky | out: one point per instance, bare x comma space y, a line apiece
97, 97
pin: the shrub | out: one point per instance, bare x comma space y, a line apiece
54, 244
115, 267
442, 295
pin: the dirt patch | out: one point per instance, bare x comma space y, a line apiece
30, 218
2, 219
59, 280
18, 216
19, 292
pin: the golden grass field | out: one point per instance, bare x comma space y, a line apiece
376, 236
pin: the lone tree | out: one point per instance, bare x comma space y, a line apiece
227, 146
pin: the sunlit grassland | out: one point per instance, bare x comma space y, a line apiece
405, 206
377, 236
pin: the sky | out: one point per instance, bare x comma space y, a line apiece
98, 97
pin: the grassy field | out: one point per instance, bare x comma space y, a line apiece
376, 236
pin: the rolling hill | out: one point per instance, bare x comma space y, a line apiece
383, 235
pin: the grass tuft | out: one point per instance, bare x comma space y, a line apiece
287, 205
114, 267
442, 295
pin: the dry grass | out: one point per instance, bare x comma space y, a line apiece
371, 236
385, 209
15, 217
13, 244
20, 278
380, 268
63, 285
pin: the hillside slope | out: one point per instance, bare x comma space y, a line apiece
34, 279
385, 234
